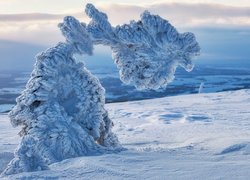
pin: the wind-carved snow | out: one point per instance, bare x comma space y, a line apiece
62, 112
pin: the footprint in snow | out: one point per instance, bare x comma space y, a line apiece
182, 118
198, 117
242, 147
169, 118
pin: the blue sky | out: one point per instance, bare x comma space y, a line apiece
222, 27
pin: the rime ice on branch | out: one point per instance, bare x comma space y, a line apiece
61, 111
146, 52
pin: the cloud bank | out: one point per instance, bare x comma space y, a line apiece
180, 12
185, 14
222, 30
43, 27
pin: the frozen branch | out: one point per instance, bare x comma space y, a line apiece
147, 52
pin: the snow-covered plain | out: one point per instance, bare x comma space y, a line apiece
199, 136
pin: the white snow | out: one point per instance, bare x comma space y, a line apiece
201, 136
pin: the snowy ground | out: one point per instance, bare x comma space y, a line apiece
201, 136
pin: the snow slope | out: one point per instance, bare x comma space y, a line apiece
201, 136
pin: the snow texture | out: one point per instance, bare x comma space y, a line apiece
146, 52
197, 136
62, 112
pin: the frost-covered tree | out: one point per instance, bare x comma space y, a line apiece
146, 52
62, 112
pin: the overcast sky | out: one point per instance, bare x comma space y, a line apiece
62, 6
221, 26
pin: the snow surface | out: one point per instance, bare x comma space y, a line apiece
201, 136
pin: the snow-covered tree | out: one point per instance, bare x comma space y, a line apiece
62, 112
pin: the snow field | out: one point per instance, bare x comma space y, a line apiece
201, 136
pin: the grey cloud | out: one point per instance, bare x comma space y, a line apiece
29, 17
202, 10
37, 17
120, 13
183, 13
